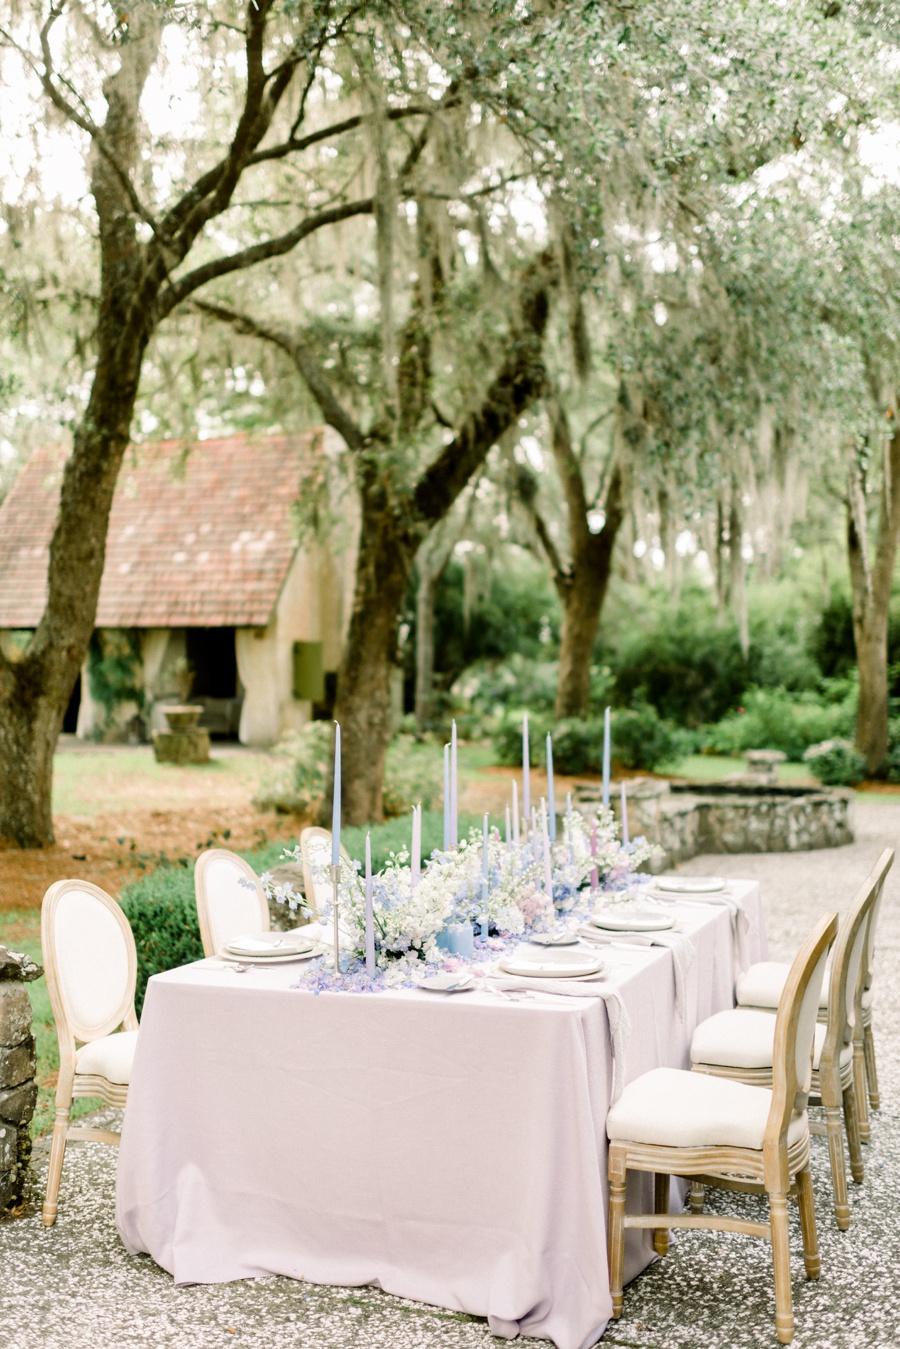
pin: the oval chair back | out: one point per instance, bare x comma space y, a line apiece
845, 988
89, 959
876, 879
795, 1025
315, 850
230, 900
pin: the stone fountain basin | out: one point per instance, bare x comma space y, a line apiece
686, 818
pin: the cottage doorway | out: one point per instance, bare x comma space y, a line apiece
212, 659
70, 720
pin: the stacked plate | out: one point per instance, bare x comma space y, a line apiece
271, 948
689, 885
550, 963
624, 918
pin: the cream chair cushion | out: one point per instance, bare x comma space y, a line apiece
110, 1057
762, 984
671, 1108
744, 1038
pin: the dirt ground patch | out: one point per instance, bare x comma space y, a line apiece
117, 814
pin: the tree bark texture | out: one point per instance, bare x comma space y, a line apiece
392, 530
582, 585
136, 292
871, 584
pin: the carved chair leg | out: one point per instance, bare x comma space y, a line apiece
661, 1205
781, 1262
838, 1171
851, 1121
808, 1224
860, 1091
871, 1070
617, 1177
54, 1174
698, 1196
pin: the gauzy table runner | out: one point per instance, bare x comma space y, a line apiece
450, 1149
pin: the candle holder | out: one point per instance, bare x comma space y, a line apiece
335, 883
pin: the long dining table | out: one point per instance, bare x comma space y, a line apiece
446, 1148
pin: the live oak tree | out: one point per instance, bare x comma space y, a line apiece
147, 231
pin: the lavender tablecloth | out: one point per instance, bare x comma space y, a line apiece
450, 1149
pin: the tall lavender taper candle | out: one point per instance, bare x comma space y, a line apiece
485, 871
415, 866
551, 794
515, 813
625, 838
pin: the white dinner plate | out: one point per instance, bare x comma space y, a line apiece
458, 981
270, 960
551, 964
268, 945
624, 919
689, 885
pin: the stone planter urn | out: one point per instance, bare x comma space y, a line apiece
18, 1088
184, 742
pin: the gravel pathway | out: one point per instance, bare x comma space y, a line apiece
73, 1287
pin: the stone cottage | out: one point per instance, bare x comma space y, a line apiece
208, 583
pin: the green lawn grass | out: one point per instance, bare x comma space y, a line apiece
713, 767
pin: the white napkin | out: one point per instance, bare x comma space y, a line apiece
682, 948
740, 923
590, 987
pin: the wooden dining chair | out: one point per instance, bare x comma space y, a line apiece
230, 900
760, 987
315, 851
864, 1041
91, 967
725, 1133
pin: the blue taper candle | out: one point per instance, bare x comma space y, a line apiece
370, 916
625, 838
446, 797
454, 789
336, 806
551, 794
606, 757
526, 771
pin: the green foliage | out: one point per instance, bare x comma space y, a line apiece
396, 835
162, 912
298, 781
836, 763
115, 670
639, 736
775, 719
642, 739
831, 642
688, 664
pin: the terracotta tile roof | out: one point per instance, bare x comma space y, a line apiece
197, 540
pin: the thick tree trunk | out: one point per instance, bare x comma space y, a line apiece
870, 635
582, 588
35, 690
871, 586
582, 602
363, 706
426, 596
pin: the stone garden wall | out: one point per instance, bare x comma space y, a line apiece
18, 1089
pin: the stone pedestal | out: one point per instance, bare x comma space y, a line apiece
184, 742
18, 1088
